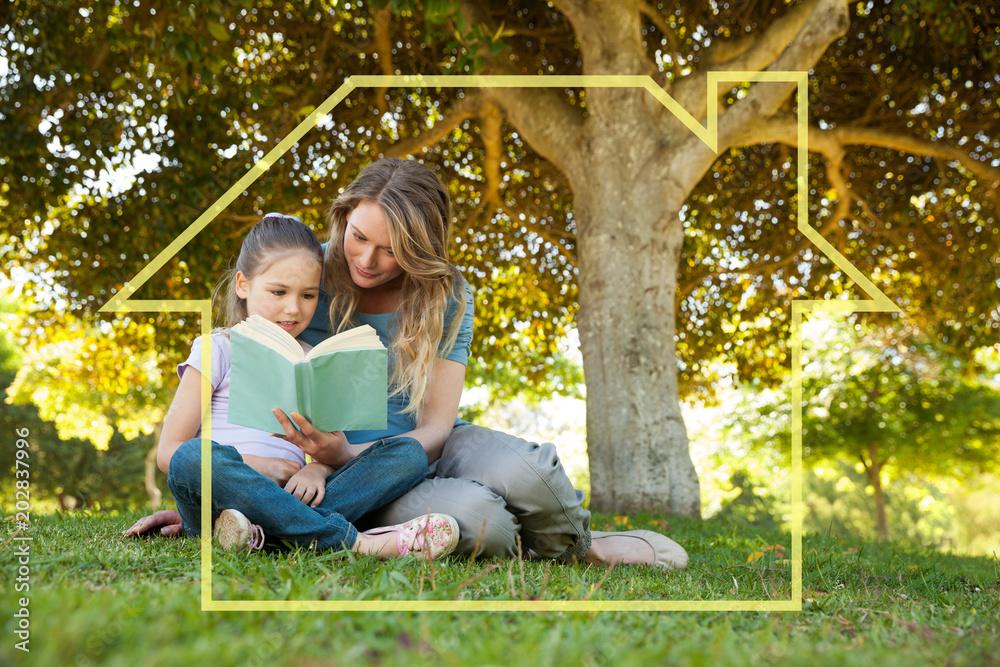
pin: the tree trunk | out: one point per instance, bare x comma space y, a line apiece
629, 239
154, 493
631, 165
878, 495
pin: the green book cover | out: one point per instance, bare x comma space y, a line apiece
339, 385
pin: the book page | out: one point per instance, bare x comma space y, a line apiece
358, 338
271, 335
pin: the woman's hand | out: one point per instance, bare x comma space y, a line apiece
168, 522
276, 469
309, 484
329, 448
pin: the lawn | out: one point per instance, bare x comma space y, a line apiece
97, 598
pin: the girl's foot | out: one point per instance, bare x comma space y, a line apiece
234, 532
433, 534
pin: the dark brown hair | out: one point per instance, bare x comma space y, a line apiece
270, 239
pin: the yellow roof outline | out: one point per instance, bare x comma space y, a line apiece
879, 302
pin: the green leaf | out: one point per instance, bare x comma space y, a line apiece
401, 578
218, 31
438, 11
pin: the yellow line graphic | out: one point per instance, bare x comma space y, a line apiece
878, 302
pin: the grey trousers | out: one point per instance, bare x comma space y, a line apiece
498, 486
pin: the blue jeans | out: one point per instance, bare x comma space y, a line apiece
382, 473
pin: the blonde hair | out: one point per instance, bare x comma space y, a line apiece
270, 239
417, 210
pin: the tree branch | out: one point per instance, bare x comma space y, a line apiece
541, 115
686, 287
753, 52
661, 24
575, 11
827, 22
988, 176
465, 109
722, 52
865, 464
831, 143
383, 48
551, 237
490, 133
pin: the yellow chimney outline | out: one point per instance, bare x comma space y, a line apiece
122, 302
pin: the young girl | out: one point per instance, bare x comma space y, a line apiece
255, 475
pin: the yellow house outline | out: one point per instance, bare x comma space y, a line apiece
122, 302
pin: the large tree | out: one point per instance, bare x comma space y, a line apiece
675, 254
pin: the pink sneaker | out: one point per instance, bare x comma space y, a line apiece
435, 534
234, 532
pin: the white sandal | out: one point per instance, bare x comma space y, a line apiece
436, 534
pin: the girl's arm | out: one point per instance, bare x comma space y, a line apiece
275, 468
183, 419
180, 425
441, 399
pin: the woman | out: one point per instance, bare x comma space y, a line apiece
387, 265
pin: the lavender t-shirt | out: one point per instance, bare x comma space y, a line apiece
245, 440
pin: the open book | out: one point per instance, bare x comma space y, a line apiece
339, 385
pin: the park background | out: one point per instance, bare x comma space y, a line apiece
124, 122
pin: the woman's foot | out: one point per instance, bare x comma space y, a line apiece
433, 534
636, 547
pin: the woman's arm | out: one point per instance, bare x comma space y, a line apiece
441, 399
440, 407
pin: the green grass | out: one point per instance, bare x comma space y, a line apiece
100, 599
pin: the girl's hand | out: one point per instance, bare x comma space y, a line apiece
167, 521
329, 448
309, 484
275, 469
